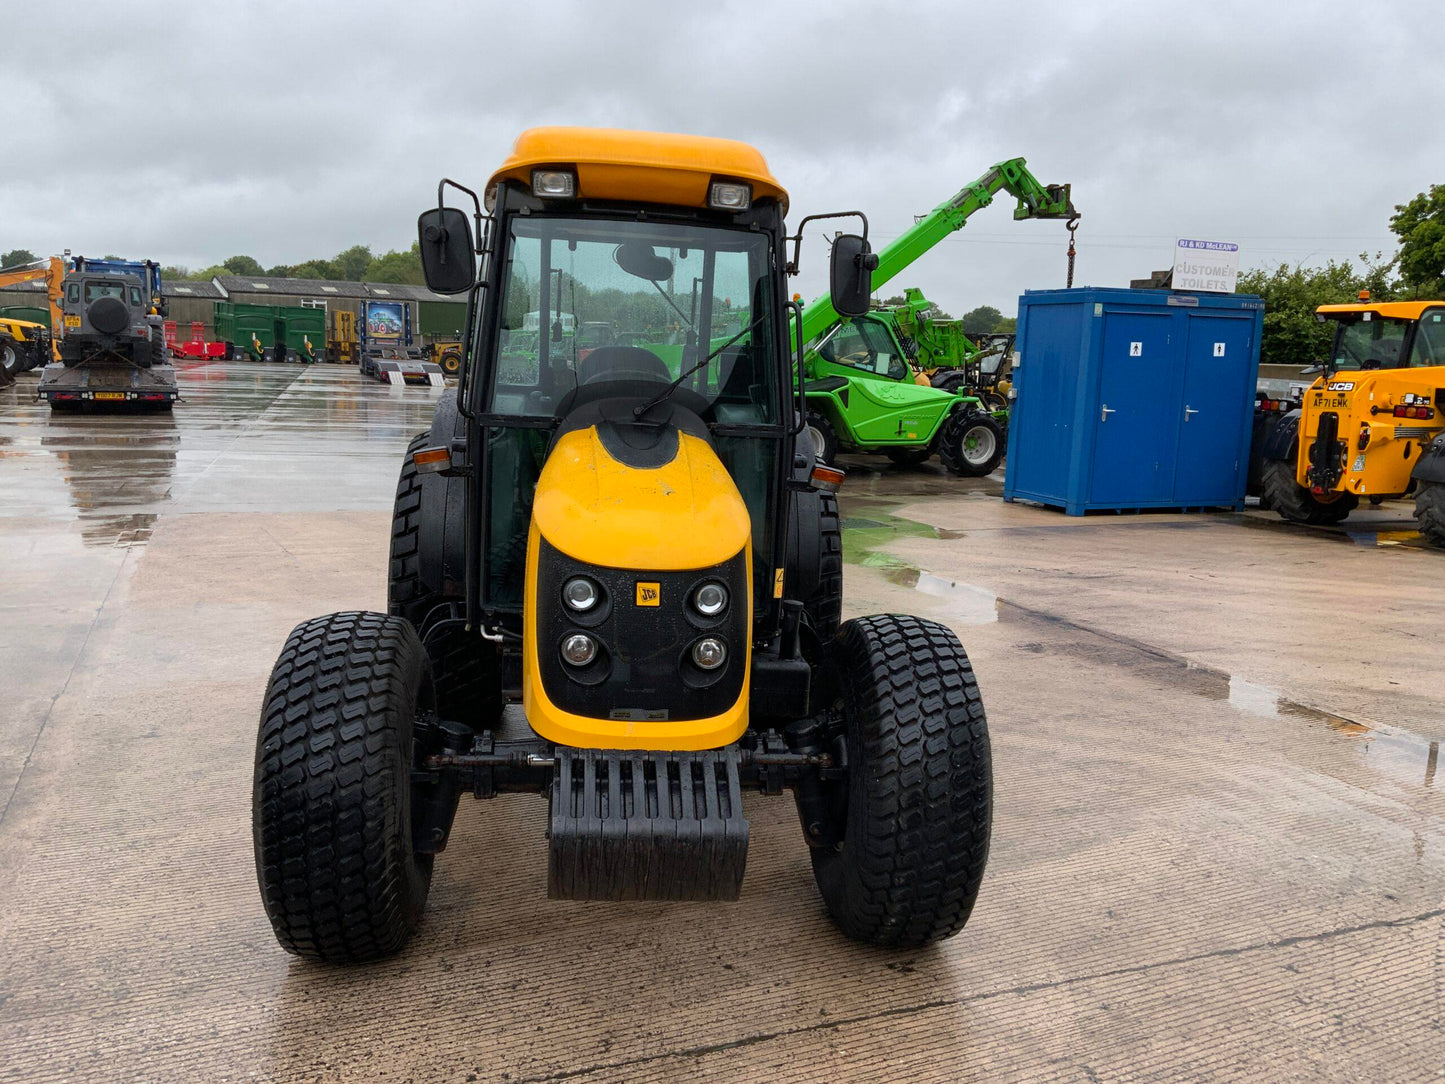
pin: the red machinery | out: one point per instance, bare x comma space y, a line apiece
197, 346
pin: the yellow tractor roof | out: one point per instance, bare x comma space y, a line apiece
646, 167
1389, 310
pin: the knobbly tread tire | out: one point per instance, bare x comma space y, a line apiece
950, 444
829, 451
1294, 502
825, 606
331, 806
1430, 513
919, 790
466, 672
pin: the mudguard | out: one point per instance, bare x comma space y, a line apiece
1430, 467
441, 532
1280, 441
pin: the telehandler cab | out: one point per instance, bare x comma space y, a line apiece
616, 581
1371, 424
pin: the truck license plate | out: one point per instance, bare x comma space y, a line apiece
110, 395
72, 321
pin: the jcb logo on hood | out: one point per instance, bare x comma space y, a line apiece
1341, 385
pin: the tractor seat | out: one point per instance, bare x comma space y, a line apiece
621, 363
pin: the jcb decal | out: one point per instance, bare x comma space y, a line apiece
649, 594
1341, 385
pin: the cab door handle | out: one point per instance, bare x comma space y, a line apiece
1188, 410
1105, 412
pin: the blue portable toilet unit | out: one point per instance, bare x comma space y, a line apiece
1133, 399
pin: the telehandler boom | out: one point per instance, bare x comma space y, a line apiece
1035, 200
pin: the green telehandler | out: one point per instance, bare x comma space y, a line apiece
859, 388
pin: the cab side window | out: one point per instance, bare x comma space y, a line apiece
1429, 341
864, 345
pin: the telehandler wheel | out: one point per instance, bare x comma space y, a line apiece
466, 672
912, 819
909, 457
451, 363
971, 444
332, 805
1430, 513
949, 379
825, 438
1296, 503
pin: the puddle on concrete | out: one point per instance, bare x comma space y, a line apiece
1392, 751
967, 604
1403, 537
1411, 539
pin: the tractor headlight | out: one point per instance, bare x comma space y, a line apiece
554, 183
579, 649
710, 599
709, 653
580, 594
729, 196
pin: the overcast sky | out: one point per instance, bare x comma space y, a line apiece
287, 131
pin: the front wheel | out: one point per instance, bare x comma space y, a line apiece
1296, 503
971, 444
825, 438
1430, 513
911, 822
333, 800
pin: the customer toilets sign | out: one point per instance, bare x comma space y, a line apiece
1205, 266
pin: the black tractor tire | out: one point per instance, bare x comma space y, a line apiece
1430, 513
825, 437
451, 362
12, 358
971, 444
159, 354
815, 561
912, 820
466, 670
949, 379
339, 874
1296, 503
909, 457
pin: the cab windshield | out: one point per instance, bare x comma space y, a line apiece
592, 300
94, 290
1370, 344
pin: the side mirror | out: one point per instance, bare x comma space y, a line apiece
446, 250
851, 275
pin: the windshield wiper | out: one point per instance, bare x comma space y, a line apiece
666, 393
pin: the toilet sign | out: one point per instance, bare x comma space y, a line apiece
1205, 266
1136, 350
1219, 350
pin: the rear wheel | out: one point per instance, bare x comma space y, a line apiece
949, 379
332, 805
825, 438
10, 357
912, 820
909, 457
971, 444
451, 362
1296, 503
1430, 513
466, 671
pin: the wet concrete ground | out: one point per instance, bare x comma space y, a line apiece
1219, 849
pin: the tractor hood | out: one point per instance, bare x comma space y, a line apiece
904, 394
665, 502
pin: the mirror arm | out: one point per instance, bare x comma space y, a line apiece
797, 238
477, 215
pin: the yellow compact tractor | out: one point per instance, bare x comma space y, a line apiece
1371, 425
616, 582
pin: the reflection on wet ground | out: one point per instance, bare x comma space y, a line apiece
868, 527
242, 438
